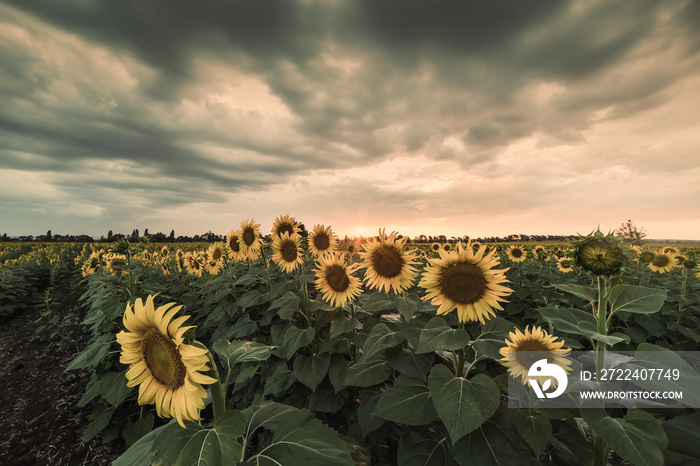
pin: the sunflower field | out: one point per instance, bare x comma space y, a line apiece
283, 349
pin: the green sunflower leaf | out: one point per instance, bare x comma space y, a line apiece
463, 404
638, 437
437, 335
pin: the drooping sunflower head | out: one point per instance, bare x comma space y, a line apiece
517, 254
165, 268
690, 264
164, 251
285, 224
601, 254
662, 262
287, 251
335, 280
249, 237
322, 240
466, 281
387, 265
523, 349
167, 370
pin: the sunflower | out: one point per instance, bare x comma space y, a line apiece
516, 254
115, 262
249, 237
192, 264
215, 251
164, 251
287, 251
538, 250
166, 369
601, 254
322, 240
165, 268
334, 279
285, 223
213, 267
516, 355
663, 262
387, 265
447, 247
234, 246
646, 256
635, 251
670, 250
435, 247
466, 281
565, 266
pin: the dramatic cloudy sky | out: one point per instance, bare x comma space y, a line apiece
434, 117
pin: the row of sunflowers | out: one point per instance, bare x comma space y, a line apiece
291, 349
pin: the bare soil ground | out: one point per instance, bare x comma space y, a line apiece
39, 420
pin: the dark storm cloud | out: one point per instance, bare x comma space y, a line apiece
158, 85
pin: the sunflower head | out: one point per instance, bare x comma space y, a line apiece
249, 237
523, 349
335, 280
565, 266
662, 262
466, 281
287, 251
285, 224
233, 246
690, 264
121, 247
166, 369
517, 254
215, 251
115, 262
601, 255
322, 240
387, 264
646, 256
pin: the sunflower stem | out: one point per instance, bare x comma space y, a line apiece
602, 323
460, 356
684, 274
218, 399
600, 451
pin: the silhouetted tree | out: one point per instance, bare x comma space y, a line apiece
629, 231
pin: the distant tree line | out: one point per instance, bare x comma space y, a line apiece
628, 230
111, 237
